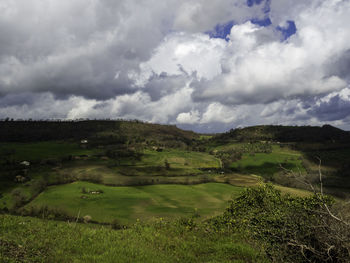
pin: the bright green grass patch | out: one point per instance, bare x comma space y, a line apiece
267, 164
41, 150
144, 202
205, 137
180, 162
25, 239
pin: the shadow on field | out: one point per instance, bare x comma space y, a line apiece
267, 169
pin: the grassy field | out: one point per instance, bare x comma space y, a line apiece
25, 239
184, 167
179, 159
127, 204
180, 162
267, 164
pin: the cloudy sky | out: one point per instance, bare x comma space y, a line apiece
200, 64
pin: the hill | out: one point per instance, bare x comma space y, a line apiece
97, 131
326, 133
120, 173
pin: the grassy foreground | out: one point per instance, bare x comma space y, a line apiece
25, 239
127, 204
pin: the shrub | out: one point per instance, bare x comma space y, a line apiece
167, 165
19, 197
294, 229
83, 190
94, 178
45, 212
87, 219
39, 185
115, 224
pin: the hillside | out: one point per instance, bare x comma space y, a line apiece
260, 225
96, 130
326, 133
115, 174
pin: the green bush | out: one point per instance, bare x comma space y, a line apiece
116, 225
294, 229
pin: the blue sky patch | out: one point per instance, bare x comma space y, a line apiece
254, 2
221, 30
288, 31
262, 22
266, 7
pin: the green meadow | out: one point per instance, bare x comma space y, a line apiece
179, 159
127, 204
267, 164
180, 162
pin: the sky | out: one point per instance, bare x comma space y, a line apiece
203, 65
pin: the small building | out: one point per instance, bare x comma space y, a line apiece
84, 143
25, 163
20, 179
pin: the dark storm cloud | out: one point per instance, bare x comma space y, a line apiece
161, 85
335, 108
75, 47
17, 99
340, 65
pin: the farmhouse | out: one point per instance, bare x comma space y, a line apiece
25, 163
84, 143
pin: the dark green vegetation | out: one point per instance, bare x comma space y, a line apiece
116, 173
326, 133
292, 229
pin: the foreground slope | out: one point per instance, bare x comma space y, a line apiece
26, 239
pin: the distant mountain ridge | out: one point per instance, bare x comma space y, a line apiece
114, 130
287, 134
27, 131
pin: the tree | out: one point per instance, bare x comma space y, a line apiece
167, 164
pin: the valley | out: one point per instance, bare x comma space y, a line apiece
121, 173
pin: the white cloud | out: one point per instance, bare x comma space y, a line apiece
253, 69
152, 61
184, 53
217, 112
191, 117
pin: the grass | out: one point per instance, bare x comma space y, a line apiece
267, 164
179, 159
293, 191
152, 163
25, 239
127, 204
